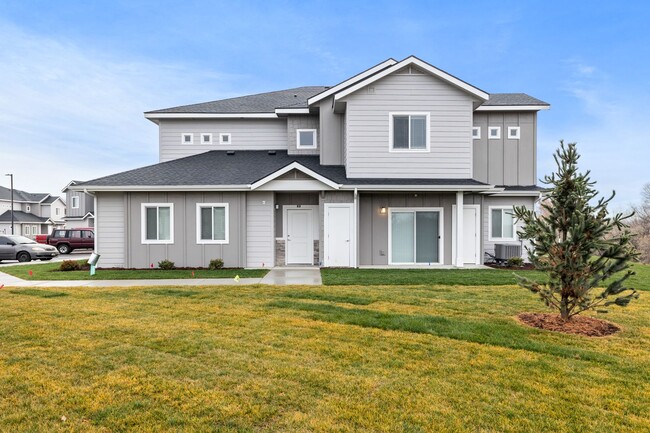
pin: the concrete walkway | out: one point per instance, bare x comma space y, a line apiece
307, 276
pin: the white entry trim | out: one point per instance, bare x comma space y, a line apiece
441, 232
353, 233
478, 230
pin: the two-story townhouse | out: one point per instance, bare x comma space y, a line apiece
34, 213
369, 172
81, 207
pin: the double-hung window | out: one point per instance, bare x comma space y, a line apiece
409, 132
502, 224
75, 202
212, 223
157, 223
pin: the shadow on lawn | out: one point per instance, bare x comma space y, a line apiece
39, 293
496, 333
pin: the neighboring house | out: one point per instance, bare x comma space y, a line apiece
81, 208
369, 172
33, 213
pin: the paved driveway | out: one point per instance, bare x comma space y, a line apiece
75, 255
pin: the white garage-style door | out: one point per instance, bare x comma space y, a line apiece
339, 235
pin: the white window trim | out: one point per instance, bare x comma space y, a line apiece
75, 202
478, 132
441, 231
490, 129
183, 138
514, 128
203, 134
199, 206
27, 230
391, 115
315, 134
143, 225
28, 208
223, 134
514, 225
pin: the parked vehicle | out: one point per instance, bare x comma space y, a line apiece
24, 249
68, 240
41, 239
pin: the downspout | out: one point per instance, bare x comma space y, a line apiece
356, 228
94, 196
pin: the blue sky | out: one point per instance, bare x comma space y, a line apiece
75, 77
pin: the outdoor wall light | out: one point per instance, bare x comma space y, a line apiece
382, 210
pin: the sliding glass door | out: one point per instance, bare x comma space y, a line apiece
415, 236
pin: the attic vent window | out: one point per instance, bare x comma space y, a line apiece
206, 138
476, 132
224, 138
514, 132
187, 138
494, 132
306, 139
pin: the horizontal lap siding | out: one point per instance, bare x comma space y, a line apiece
110, 230
488, 245
260, 240
367, 129
246, 134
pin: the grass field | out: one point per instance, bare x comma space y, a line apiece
325, 359
50, 271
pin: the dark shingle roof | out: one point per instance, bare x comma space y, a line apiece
22, 217
51, 199
260, 103
243, 168
500, 99
5, 194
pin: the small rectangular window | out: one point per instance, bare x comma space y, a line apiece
494, 132
75, 203
502, 224
157, 223
28, 209
206, 138
224, 138
306, 139
187, 138
56, 210
212, 223
27, 230
409, 131
476, 132
513, 132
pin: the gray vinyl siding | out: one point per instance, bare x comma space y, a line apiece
488, 245
86, 203
246, 134
331, 135
260, 242
506, 161
450, 154
185, 251
302, 122
110, 234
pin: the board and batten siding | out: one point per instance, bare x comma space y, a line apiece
110, 241
506, 161
331, 135
367, 128
245, 134
260, 240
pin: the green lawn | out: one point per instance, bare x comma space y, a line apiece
312, 359
50, 271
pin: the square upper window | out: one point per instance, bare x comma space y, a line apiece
225, 138
187, 138
476, 132
206, 138
409, 132
494, 132
306, 139
514, 132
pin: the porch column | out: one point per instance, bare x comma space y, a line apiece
459, 229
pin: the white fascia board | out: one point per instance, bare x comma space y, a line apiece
513, 107
299, 167
144, 188
350, 81
210, 115
65, 188
468, 188
292, 111
44, 198
516, 194
422, 65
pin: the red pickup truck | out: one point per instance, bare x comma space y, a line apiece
67, 240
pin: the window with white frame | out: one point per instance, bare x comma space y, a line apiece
56, 211
157, 223
75, 202
212, 223
28, 208
502, 224
206, 138
513, 132
187, 138
306, 139
27, 232
476, 132
225, 138
409, 132
494, 132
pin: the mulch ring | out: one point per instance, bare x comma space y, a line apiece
581, 325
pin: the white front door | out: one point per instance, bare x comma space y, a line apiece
300, 242
338, 235
469, 235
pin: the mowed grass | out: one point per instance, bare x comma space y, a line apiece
312, 359
50, 271
462, 277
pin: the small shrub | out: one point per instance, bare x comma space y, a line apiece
215, 264
515, 262
69, 265
166, 265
